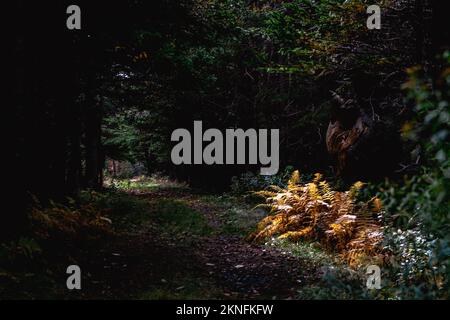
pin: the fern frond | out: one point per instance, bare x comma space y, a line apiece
294, 180
315, 211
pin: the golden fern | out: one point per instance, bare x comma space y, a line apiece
315, 211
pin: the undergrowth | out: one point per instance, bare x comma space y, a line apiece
63, 233
314, 212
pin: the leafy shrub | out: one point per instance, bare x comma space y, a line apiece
417, 211
21, 251
313, 211
68, 222
58, 233
23, 270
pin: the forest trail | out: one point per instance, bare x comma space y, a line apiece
190, 249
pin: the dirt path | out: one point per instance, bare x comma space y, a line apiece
149, 264
248, 271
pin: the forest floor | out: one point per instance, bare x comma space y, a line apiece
186, 245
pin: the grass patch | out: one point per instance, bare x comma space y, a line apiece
178, 218
123, 209
333, 278
182, 287
236, 217
309, 252
145, 184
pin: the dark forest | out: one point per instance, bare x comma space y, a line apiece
364, 158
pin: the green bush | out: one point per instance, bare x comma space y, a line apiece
418, 210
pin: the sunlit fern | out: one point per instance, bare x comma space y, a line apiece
313, 211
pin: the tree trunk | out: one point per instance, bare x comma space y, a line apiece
94, 157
